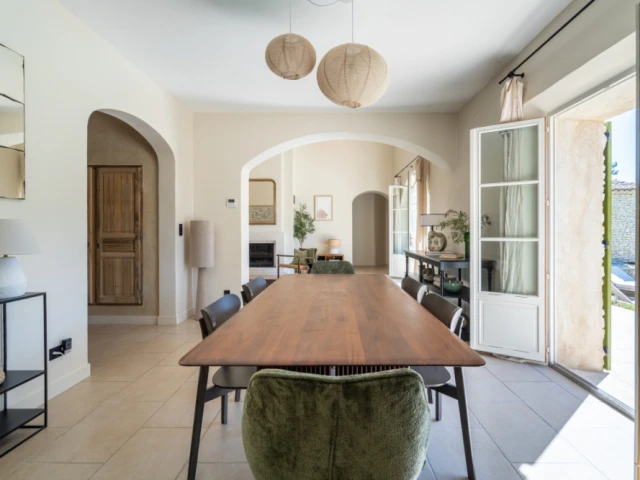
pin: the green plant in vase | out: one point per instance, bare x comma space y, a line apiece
303, 224
458, 224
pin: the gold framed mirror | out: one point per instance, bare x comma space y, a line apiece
262, 201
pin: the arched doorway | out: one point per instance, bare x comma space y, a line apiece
166, 312
370, 235
413, 148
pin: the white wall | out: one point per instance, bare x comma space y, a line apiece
71, 72
226, 143
343, 169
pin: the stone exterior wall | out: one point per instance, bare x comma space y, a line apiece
623, 225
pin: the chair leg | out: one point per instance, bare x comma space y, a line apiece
237, 399
438, 407
429, 395
224, 399
278, 271
197, 422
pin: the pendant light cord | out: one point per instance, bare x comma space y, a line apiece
290, 17
352, 3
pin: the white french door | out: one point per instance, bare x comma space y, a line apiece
507, 185
398, 229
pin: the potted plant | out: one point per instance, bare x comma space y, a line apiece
458, 224
303, 224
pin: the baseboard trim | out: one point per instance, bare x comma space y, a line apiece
34, 399
186, 314
123, 320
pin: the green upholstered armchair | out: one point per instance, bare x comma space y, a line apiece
299, 426
332, 267
302, 260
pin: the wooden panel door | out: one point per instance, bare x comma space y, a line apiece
118, 235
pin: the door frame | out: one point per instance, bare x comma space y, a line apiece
550, 242
475, 214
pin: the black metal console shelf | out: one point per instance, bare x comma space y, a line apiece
11, 419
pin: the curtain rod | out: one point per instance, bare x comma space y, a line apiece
406, 166
513, 73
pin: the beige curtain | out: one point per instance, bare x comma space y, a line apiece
511, 253
422, 190
511, 100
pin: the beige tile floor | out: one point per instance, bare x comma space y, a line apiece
131, 420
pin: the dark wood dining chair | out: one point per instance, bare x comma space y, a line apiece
436, 379
303, 426
226, 379
252, 289
414, 288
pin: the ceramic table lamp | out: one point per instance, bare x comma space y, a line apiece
15, 239
334, 246
437, 241
201, 253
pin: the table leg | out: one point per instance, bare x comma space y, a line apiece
420, 271
442, 275
406, 266
464, 421
197, 422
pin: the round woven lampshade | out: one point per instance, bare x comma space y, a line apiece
290, 56
353, 75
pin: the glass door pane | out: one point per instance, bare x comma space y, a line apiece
519, 146
497, 201
399, 229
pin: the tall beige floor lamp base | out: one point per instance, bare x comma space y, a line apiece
201, 257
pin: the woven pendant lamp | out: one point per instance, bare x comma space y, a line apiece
353, 75
290, 56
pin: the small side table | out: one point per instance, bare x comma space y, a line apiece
325, 257
11, 419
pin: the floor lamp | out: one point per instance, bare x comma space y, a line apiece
201, 256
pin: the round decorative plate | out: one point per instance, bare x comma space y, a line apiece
437, 242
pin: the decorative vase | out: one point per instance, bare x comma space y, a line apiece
467, 245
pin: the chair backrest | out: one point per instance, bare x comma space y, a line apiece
253, 288
414, 288
322, 267
302, 426
443, 310
214, 315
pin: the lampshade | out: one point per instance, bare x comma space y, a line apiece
431, 219
201, 243
290, 56
334, 242
16, 238
353, 75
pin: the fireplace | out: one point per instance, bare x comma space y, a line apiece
262, 254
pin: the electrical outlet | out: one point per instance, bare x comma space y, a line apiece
227, 292
60, 350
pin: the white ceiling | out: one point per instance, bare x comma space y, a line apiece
210, 53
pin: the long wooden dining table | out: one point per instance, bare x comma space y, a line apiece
334, 324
